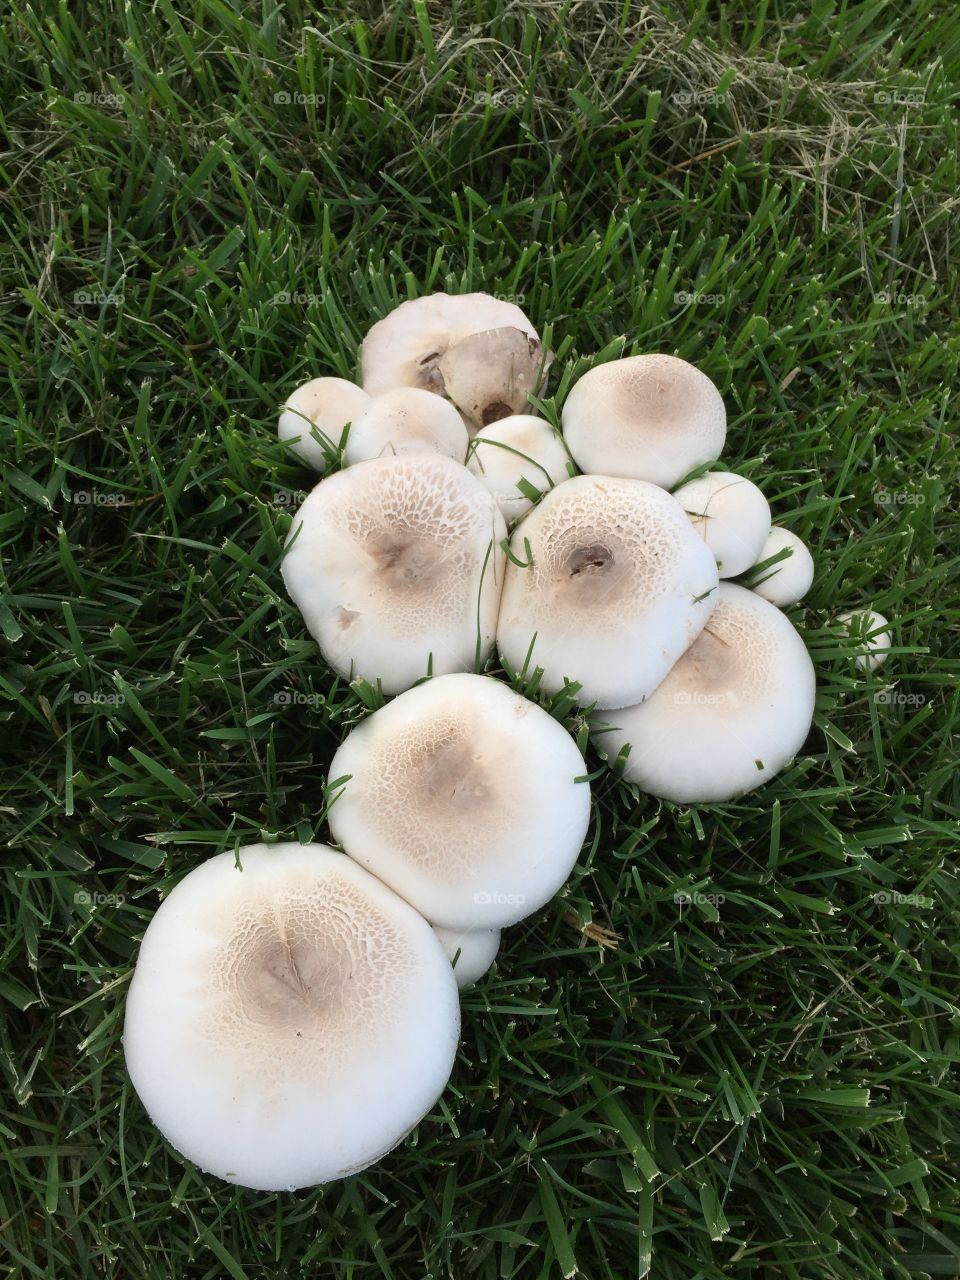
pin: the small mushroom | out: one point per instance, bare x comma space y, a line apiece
607, 585
463, 797
478, 351
521, 450
322, 407
733, 712
649, 417
406, 420
396, 566
471, 951
732, 517
290, 1019
868, 630
789, 580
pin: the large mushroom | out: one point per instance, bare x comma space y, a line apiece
396, 566
290, 1018
616, 587
464, 798
481, 352
733, 712
406, 420
649, 417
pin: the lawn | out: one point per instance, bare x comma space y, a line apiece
730, 1046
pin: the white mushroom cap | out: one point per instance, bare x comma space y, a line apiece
462, 798
868, 629
406, 420
789, 580
650, 417
480, 352
519, 448
735, 709
290, 1022
323, 406
471, 951
396, 566
732, 517
619, 587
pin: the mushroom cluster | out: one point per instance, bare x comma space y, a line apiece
294, 1013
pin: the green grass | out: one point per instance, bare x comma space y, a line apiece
764, 1085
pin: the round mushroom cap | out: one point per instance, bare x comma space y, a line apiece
462, 797
649, 417
619, 587
324, 407
789, 580
733, 712
406, 420
519, 448
396, 566
290, 1022
732, 517
479, 351
869, 631
471, 951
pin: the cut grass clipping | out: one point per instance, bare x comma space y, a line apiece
730, 1047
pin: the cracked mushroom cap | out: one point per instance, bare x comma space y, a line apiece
461, 796
521, 448
733, 712
868, 630
619, 587
406, 420
470, 951
732, 517
322, 407
649, 417
480, 352
789, 580
290, 1022
396, 566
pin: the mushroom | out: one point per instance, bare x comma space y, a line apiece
290, 1019
733, 711
648, 417
515, 454
471, 951
731, 515
788, 580
406, 420
607, 585
396, 566
480, 352
463, 797
322, 407
869, 630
